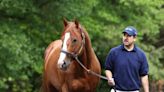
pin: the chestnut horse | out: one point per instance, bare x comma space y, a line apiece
68, 60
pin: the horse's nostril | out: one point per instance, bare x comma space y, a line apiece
64, 65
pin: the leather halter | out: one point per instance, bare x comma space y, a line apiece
73, 54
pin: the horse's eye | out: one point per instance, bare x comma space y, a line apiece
74, 40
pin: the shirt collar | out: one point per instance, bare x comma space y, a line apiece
134, 49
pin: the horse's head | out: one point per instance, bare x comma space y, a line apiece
73, 43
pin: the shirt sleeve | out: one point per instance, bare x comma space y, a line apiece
109, 61
144, 66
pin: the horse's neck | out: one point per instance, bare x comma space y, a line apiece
88, 45
90, 54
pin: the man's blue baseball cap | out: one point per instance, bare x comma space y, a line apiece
130, 30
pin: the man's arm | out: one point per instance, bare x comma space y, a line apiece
145, 83
108, 73
109, 76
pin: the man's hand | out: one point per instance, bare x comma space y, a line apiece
111, 81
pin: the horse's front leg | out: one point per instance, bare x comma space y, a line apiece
80, 85
64, 88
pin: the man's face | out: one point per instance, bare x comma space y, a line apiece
128, 40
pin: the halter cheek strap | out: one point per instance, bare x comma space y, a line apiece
83, 42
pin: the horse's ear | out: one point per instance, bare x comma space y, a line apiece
76, 23
65, 22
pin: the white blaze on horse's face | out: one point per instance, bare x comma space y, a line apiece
63, 61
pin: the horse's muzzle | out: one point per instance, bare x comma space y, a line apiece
63, 66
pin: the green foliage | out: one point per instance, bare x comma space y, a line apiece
14, 59
28, 26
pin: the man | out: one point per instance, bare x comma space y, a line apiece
126, 65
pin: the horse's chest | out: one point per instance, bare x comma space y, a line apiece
78, 85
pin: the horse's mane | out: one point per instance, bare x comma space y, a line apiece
88, 45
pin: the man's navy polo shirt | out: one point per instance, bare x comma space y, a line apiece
127, 67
